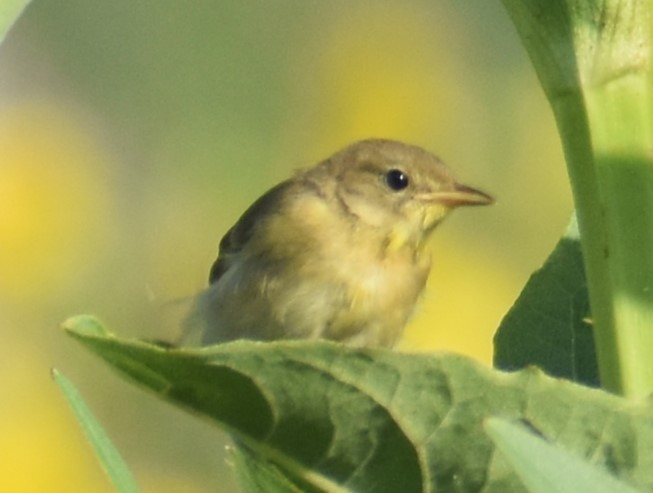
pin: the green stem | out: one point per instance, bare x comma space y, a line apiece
592, 58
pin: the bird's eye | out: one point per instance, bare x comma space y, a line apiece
396, 179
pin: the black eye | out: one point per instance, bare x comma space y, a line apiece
396, 179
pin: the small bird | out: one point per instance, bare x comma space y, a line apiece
335, 252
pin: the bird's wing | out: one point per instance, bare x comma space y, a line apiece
242, 232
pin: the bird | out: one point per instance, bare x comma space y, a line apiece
338, 251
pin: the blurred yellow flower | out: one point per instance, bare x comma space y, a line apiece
53, 200
41, 447
380, 74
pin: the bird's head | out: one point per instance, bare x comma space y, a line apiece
398, 189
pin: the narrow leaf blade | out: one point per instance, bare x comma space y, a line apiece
110, 459
258, 475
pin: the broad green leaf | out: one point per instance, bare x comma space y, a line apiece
109, 457
545, 468
549, 325
335, 418
9, 12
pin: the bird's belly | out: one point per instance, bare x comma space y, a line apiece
380, 300
360, 303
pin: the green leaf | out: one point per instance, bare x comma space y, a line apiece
545, 468
9, 12
109, 457
336, 418
549, 326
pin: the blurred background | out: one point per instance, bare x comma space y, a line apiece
133, 134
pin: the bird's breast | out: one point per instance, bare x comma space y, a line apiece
380, 289
340, 279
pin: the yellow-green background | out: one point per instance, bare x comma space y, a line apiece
133, 133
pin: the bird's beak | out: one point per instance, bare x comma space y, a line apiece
460, 195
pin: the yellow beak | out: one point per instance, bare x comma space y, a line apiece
459, 195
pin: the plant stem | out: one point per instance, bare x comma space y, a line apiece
592, 58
